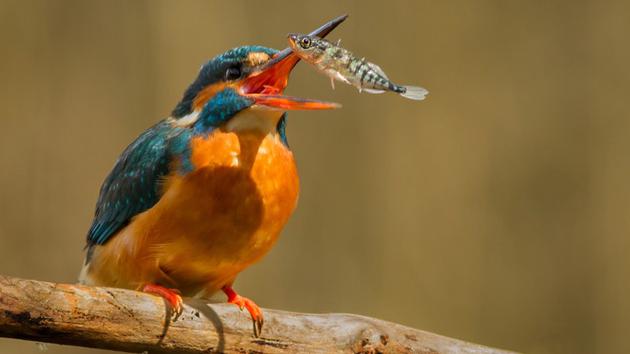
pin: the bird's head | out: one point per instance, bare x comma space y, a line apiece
247, 79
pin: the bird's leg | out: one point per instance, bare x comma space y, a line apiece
332, 83
243, 302
172, 296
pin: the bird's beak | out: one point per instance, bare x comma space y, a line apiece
267, 83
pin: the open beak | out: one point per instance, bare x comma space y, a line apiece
267, 83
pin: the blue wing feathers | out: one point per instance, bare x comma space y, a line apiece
133, 186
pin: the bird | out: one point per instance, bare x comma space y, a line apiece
203, 194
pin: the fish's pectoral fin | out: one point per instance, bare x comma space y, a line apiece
337, 75
343, 79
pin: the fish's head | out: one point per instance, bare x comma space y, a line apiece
307, 47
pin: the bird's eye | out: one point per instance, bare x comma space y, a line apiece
232, 73
305, 42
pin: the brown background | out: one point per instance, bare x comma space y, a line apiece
495, 211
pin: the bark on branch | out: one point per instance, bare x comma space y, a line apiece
130, 321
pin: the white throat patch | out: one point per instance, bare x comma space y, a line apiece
258, 118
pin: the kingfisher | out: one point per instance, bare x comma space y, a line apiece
204, 193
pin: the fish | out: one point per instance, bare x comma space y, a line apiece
340, 64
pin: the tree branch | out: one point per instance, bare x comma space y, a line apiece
131, 321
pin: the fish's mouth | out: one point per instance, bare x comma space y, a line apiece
267, 83
292, 37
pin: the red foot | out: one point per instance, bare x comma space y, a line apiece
172, 297
243, 302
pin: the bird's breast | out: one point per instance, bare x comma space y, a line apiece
213, 222
229, 211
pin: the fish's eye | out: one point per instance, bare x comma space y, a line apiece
305, 42
232, 73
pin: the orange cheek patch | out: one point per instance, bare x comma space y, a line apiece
257, 58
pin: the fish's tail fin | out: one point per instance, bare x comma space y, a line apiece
414, 93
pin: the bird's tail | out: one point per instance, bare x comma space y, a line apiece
414, 93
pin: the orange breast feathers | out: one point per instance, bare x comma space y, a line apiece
213, 222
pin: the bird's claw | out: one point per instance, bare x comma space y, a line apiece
172, 296
257, 325
254, 312
253, 309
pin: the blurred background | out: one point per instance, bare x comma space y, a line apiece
496, 211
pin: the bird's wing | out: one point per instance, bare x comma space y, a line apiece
134, 184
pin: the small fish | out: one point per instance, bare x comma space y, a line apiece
339, 63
